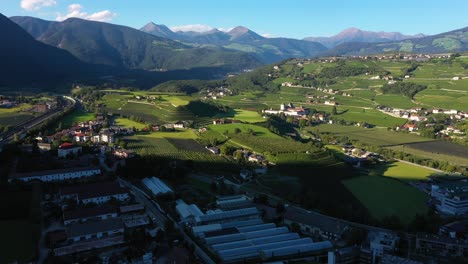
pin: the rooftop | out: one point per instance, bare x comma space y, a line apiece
52, 172
98, 189
325, 223
90, 228
89, 212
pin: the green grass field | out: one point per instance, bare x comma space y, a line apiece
406, 172
248, 116
76, 117
125, 122
384, 197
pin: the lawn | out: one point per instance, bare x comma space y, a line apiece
125, 122
406, 172
384, 196
248, 116
76, 117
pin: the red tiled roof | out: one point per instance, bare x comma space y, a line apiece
67, 145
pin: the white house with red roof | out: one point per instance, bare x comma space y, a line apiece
68, 149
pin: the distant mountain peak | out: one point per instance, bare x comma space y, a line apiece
239, 30
353, 34
158, 30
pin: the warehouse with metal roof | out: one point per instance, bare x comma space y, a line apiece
228, 216
156, 186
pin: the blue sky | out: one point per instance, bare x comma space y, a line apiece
292, 18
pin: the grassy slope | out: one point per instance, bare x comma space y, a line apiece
386, 197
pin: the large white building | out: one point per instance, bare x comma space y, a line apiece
451, 197
68, 149
98, 193
58, 175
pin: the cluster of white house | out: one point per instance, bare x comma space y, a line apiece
58, 175
156, 187
288, 110
451, 197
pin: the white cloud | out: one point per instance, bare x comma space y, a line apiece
195, 27
34, 5
76, 10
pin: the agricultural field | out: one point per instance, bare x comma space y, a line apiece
259, 139
13, 119
437, 150
372, 136
395, 101
385, 196
371, 116
15, 115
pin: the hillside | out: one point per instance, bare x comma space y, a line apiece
120, 46
358, 35
268, 50
28, 62
453, 41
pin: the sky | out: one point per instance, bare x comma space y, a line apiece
272, 18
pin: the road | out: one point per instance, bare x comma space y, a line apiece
160, 217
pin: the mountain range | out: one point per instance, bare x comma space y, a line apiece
125, 47
453, 41
43, 53
267, 50
358, 35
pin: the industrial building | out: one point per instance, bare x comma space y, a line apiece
58, 175
99, 193
451, 197
156, 187
187, 212
254, 240
227, 216
233, 202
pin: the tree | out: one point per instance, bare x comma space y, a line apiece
237, 130
163, 129
15, 137
334, 111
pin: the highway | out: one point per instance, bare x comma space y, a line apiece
160, 217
